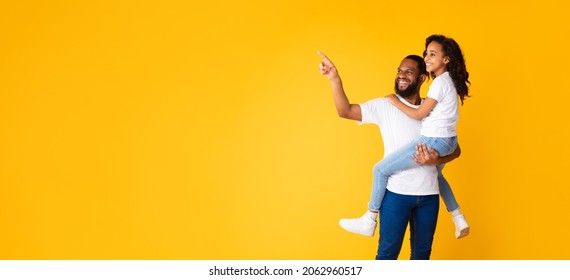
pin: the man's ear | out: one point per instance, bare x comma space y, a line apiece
423, 78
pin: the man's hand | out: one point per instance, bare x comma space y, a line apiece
327, 68
425, 155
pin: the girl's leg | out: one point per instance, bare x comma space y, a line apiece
444, 146
445, 191
398, 160
401, 160
461, 226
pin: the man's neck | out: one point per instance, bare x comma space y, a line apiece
414, 99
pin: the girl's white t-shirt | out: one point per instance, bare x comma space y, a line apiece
442, 120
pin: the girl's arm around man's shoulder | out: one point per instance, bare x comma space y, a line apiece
419, 113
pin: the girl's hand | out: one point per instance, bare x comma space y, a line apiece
327, 68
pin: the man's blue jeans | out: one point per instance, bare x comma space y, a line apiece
395, 213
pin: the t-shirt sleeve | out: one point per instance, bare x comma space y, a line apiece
438, 89
371, 111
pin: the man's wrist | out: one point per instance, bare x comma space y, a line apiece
335, 79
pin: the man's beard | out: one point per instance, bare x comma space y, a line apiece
410, 90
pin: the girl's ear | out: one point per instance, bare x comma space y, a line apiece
446, 60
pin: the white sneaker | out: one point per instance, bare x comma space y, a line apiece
461, 226
363, 225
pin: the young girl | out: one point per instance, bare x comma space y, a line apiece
439, 114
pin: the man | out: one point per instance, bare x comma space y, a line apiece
412, 195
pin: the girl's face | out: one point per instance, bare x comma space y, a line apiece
436, 60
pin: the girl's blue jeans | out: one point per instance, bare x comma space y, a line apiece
402, 159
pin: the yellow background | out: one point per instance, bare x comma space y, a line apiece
203, 130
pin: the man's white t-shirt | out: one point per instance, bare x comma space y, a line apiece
397, 130
442, 120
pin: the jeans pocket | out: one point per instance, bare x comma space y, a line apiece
448, 145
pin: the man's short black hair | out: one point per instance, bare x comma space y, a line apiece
420, 61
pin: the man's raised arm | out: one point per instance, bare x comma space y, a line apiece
343, 106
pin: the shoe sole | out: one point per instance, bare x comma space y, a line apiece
355, 232
464, 232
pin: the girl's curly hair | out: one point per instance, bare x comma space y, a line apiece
456, 66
